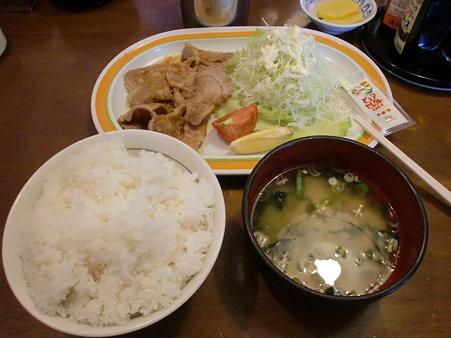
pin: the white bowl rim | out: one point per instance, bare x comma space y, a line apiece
69, 327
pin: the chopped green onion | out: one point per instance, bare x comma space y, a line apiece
363, 187
332, 181
338, 187
341, 252
370, 255
312, 171
348, 177
329, 291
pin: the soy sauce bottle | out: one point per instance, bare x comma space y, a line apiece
423, 32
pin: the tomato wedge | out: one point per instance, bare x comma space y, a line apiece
237, 124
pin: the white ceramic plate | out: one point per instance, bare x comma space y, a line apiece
31, 192
108, 100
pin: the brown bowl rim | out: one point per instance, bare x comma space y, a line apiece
267, 263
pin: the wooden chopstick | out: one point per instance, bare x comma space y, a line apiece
420, 172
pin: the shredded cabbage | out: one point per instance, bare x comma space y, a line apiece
279, 70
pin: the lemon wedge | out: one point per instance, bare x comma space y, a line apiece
337, 9
260, 141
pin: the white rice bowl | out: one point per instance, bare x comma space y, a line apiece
119, 239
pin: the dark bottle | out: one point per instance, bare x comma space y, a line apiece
198, 13
78, 5
422, 34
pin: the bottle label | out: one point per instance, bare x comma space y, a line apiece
406, 24
395, 12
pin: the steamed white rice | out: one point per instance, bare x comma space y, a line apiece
115, 235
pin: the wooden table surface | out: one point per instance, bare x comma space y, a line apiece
47, 75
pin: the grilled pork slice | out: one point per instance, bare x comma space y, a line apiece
195, 56
177, 98
156, 82
139, 116
213, 87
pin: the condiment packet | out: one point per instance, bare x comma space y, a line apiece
370, 100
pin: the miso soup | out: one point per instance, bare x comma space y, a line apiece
327, 229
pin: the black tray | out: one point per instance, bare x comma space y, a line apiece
377, 40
